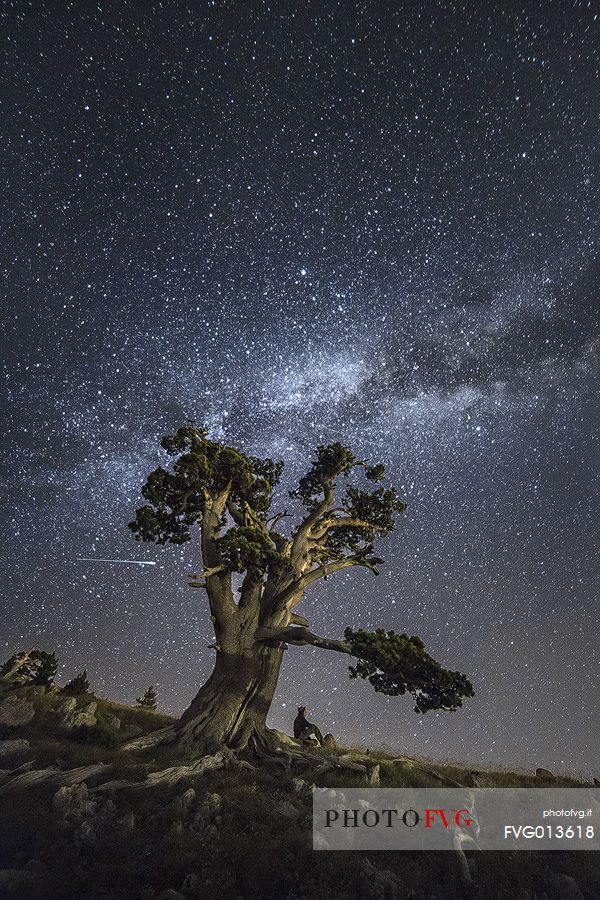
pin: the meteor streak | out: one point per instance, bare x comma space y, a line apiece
124, 562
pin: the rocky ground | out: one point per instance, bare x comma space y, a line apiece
80, 818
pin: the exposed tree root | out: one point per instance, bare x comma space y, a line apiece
222, 759
7, 774
161, 737
443, 779
275, 748
54, 778
268, 746
283, 760
282, 751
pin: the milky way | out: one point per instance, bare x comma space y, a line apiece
296, 223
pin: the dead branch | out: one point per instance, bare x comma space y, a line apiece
53, 778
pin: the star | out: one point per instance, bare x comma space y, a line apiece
298, 231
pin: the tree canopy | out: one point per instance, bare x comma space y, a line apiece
228, 495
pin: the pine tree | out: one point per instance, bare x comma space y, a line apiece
30, 667
148, 701
256, 567
78, 685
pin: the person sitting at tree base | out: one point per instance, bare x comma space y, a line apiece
305, 730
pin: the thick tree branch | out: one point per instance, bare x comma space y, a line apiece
272, 522
323, 571
296, 634
295, 590
339, 522
211, 570
250, 593
301, 534
235, 512
218, 580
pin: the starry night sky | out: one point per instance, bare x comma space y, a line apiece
299, 222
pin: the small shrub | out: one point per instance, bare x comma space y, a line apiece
78, 685
148, 701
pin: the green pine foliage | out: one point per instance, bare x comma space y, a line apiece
176, 498
38, 667
148, 701
397, 664
78, 685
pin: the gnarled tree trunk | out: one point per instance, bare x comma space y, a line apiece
231, 707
